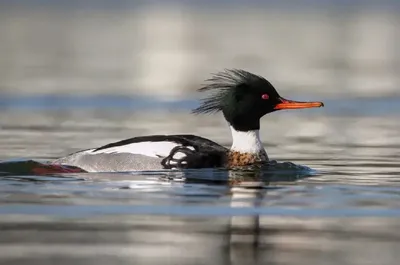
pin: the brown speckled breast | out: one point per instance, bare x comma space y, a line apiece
238, 159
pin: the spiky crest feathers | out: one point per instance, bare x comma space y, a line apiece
221, 84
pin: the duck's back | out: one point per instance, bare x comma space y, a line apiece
153, 152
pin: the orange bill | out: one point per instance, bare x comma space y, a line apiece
291, 104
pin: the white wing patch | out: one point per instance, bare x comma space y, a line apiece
180, 155
152, 149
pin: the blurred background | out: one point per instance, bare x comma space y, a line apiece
164, 49
129, 57
76, 74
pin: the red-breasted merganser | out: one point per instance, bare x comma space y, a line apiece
242, 97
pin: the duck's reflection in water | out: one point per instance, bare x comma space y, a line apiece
248, 190
237, 228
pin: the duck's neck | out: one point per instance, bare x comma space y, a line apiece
247, 142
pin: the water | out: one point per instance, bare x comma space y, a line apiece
345, 210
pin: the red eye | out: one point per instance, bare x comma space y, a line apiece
265, 96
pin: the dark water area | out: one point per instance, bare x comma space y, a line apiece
341, 206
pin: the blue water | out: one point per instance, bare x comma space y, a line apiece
332, 197
368, 106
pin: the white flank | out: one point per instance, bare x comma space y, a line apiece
152, 149
246, 142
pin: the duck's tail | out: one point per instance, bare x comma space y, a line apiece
31, 167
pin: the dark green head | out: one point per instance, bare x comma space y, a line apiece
244, 98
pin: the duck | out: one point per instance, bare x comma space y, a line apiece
242, 97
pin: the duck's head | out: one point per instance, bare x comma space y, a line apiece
244, 98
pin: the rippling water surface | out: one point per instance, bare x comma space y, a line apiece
344, 210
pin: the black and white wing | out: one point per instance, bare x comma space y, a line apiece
149, 153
